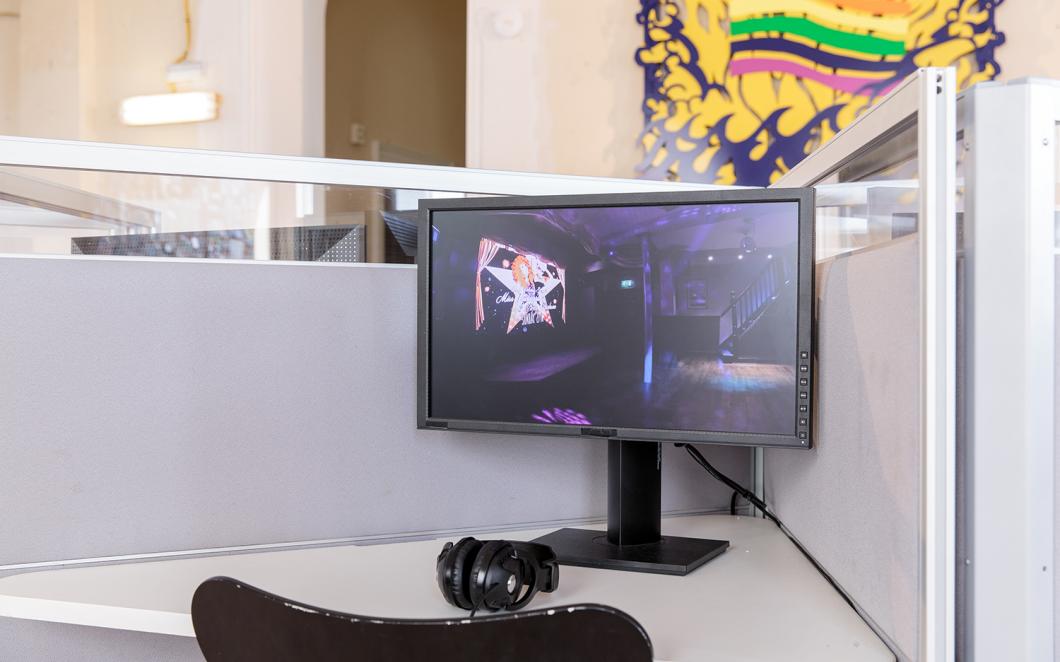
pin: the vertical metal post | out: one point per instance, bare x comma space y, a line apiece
937, 231
1010, 246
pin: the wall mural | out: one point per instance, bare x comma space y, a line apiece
739, 91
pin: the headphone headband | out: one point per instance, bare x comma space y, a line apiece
546, 568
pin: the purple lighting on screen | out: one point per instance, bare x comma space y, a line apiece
563, 416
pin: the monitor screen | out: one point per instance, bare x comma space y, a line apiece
651, 317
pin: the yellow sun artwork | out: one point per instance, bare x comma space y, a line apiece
739, 91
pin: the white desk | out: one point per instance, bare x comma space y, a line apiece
760, 600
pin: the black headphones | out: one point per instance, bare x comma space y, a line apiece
495, 574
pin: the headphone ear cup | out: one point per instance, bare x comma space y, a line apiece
454, 572
480, 571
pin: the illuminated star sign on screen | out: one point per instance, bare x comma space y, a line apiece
524, 299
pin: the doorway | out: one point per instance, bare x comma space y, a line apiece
394, 91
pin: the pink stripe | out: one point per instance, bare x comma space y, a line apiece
851, 84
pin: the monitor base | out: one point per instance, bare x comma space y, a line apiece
671, 555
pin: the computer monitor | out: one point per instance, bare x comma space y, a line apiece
660, 317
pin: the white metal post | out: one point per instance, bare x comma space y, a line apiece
937, 133
1011, 309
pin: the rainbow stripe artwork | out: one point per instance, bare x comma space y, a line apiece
739, 91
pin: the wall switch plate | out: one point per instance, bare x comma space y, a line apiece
357, 134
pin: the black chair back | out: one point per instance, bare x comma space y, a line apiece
235, 622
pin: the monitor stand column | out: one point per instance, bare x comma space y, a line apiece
634, 516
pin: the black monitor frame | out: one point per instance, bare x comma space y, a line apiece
804, 395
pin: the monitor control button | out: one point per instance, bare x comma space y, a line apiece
804, 368
803, 381
803, 421
804, 395
802, 435
804, 408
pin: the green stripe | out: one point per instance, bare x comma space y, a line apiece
864, 43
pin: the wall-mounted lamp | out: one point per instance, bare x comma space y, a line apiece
170, 108
175, 107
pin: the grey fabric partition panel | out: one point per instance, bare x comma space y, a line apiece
153, 405
40, 641
854, 500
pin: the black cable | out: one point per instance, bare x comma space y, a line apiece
766, 512
732, 502
732, 484
475, 607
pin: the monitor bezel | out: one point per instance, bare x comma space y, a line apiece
805, 312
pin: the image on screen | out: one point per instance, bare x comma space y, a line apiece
680, 317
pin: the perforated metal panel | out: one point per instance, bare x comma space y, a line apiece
322, 243
325, 243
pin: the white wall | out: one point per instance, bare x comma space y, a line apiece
77, 59
8, 64
552, 86
66, 65
268, 66
1031, 47
49, 68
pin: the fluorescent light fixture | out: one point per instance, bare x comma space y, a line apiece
170, 108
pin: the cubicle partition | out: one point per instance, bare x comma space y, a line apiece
170, 407
930, 496
158, 407
874, 500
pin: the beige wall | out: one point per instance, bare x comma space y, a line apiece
50, 72
71, 62
8, 64
397, 68
552, 85
1032, 38
65, 66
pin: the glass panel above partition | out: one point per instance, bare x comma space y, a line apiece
123, 200
871, 199
60, 212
